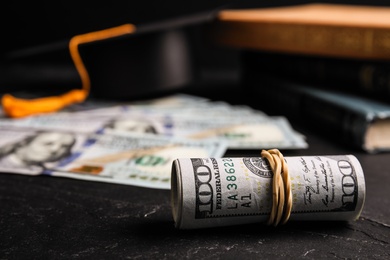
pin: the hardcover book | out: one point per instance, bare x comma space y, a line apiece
339, 30
356, 121
370, 78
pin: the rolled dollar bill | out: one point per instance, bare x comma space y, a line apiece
211, 192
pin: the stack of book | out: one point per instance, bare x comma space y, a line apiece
327, 65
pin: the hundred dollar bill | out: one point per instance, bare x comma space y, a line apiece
211, 192
176, 106
131, 159
240, 133
246, 132
253, 133
59, 121
184, 109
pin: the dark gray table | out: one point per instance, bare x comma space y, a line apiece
58, 218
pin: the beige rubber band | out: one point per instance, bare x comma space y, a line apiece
281, 187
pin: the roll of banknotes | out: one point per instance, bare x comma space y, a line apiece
211, 192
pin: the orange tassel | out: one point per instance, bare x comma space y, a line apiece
16, 107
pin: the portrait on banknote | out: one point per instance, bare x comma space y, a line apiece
133, 125
32, 152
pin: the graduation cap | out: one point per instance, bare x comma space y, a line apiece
122, 61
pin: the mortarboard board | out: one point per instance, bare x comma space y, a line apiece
140, 59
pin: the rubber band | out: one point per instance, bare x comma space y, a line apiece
281, 187
17, 107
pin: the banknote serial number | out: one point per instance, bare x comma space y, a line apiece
231, 185
229, 169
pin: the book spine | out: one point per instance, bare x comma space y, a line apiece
317, 39
357, 76
334, 121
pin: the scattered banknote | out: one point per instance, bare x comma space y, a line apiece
251, 132
240, 126
126, 159
174, 126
